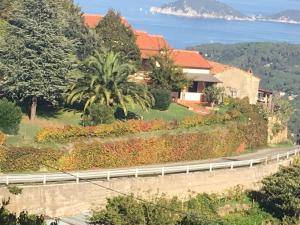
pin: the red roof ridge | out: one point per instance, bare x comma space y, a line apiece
227, 67
99, 15
92, 20
189, 59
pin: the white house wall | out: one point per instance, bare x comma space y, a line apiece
196, 71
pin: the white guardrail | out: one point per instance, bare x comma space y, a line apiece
137, 172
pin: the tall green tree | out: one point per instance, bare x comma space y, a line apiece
118, 37
103, 79
75, 29
5, 6
35, 59
165, 74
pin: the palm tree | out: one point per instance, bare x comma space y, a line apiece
103, 79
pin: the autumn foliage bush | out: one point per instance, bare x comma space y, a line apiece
241, 126
235, 128
120, 128
168, 148
2, 138
13, 159
116, 129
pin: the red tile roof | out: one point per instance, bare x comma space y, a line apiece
92, 20
150, 45
220, 68
189, 59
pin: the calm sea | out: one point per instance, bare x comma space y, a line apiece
183, 32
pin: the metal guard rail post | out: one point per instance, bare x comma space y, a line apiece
136, 172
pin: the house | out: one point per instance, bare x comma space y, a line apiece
265, 98
197, 70
238, 83
195, 66
200, 71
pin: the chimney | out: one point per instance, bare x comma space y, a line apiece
250, 71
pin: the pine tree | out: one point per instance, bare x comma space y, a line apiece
5, 6
118, 37
36, 56
3, 27
83, 38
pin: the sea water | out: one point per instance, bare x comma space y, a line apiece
182, 32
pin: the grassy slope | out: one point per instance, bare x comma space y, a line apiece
175, 112
62, 118
28, 129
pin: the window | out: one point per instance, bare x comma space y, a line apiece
194, 88
234, 94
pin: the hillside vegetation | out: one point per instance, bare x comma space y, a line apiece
277, 203
278, 64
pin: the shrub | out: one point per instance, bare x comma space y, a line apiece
14, 159
15, 190
159, 210
10, 117
277, 128
214, 94
168, 148
2, 138
98, 114
245, 120
128, 210
116, 129
281, 192
23, 218
162, 98
120, 115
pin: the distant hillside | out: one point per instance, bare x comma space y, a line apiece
199, 8
286, 16
278, 64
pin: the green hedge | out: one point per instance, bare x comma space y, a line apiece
162, 98
98, 114
10, 117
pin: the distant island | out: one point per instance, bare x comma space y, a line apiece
213, 9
